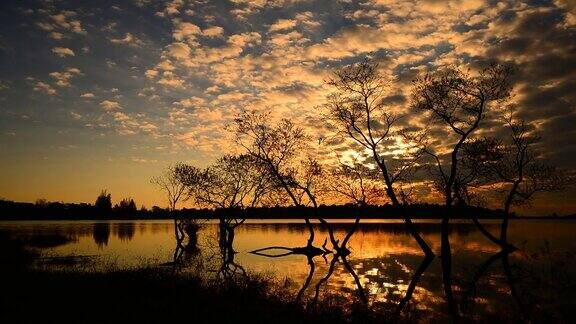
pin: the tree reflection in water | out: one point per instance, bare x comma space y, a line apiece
101, 233
467, 302
124, 231
186, 244
336, 252
309, 251
229, 269
339, 252
413, 283
373, 263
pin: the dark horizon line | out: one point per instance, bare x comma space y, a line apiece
4, 201
11, 210
566, 217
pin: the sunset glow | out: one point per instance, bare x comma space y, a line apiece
104, 96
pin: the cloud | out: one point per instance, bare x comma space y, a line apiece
166, 65
128, 39
126, 124
211, 61
196, 56
308, 20
56, 35
45, 26
63, 78
282, 24
245, 39
44, 88
543, 47
63, 20
172, 7
75, 115
60, 23
110, 27
179, 50
110, 105
214, 31
151, 73
3, 85
63, 51
208, 134
191, 102
186, 31
171, 82
290, 39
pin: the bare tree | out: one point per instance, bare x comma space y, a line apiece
458, 101
473, 177
356, 183
359, 113
525, 173
172, 183
279, 150
513, 166
233, 182
228, 186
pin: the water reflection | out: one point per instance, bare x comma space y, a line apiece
101, 234
341, 253
309, 251
186, 245
469, 298
124, 231
377, 282
375, 264
413, 283
229, 268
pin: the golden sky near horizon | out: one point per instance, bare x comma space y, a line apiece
97, 96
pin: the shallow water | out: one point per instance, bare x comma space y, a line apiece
383, 257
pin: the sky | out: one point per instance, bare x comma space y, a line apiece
105, 94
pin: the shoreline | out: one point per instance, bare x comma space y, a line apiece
400, 220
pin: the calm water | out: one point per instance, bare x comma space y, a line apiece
383, 257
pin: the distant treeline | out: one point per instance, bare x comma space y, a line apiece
126, 209
11, 210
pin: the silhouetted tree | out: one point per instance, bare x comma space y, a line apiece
229, 268
468, 295
176, 181
232, 182
523, 171
103, 203
126, 208
358, 111
355, 182
280, 149
228, 186
309, 251
458, 101
41, 202
513, 166
170, 182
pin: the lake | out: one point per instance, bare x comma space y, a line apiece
382, 263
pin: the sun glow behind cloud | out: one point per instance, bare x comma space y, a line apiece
146, 83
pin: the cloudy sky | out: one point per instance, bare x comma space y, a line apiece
104, 94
